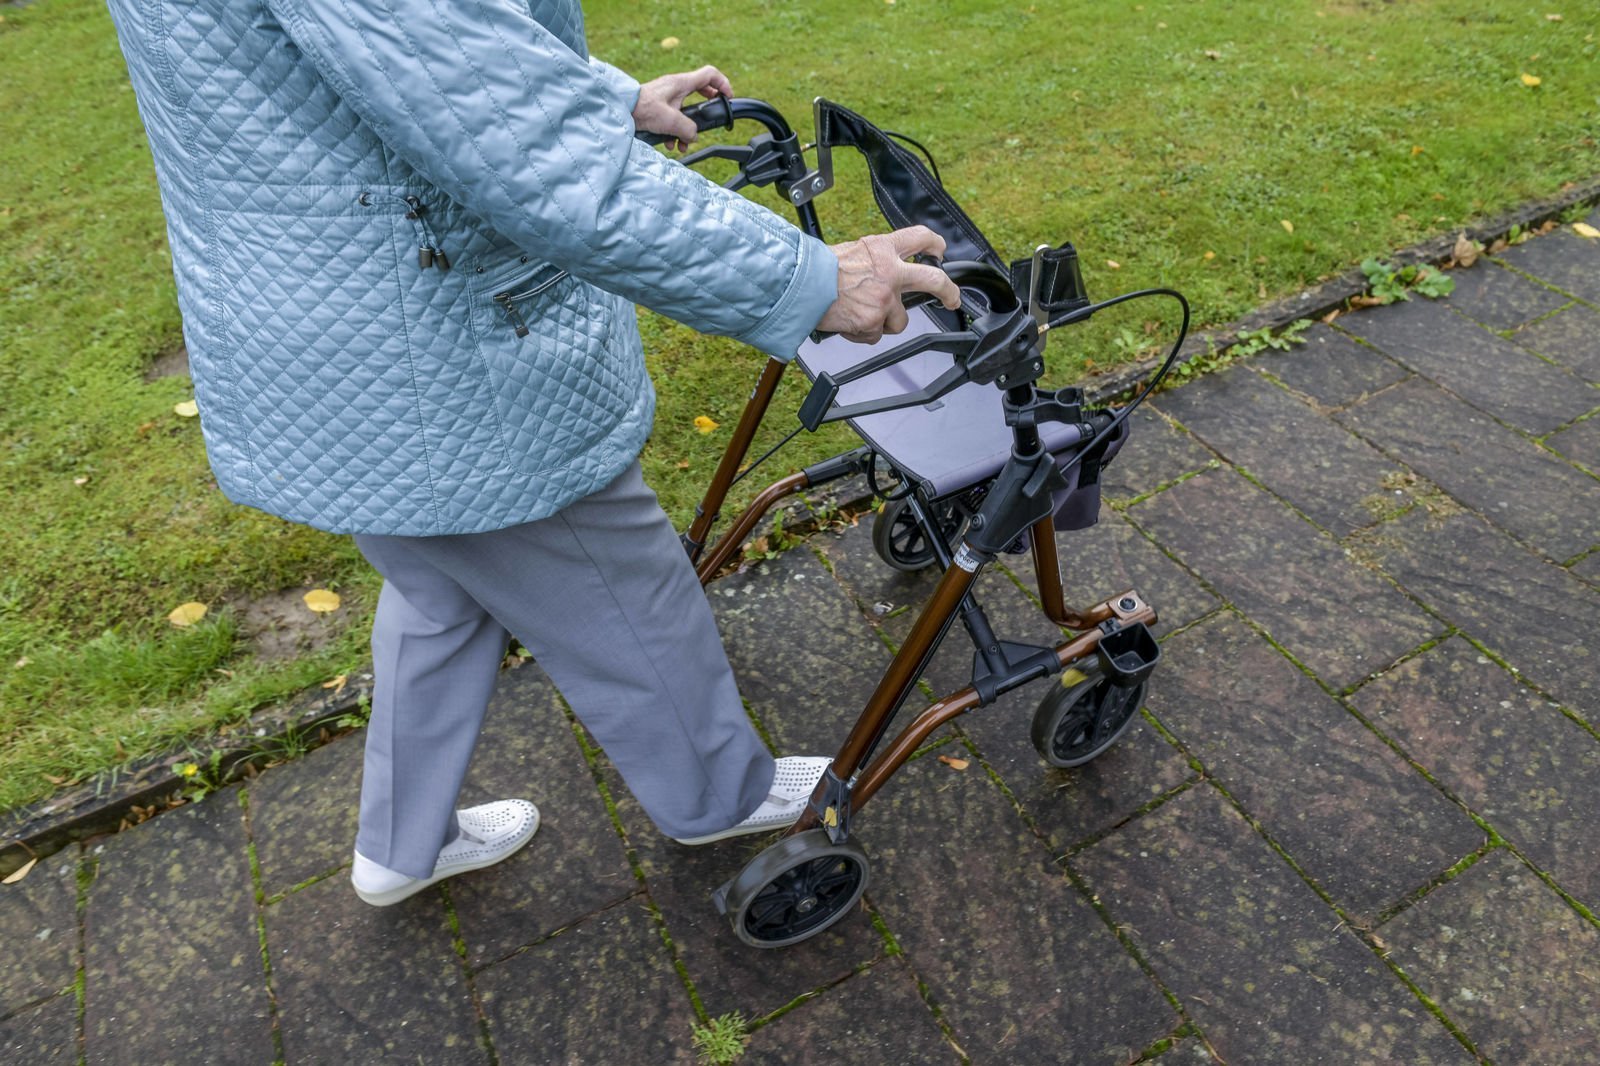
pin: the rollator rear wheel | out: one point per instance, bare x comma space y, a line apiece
795, 889
900, 540
1082, 716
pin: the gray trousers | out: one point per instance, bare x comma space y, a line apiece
604, 597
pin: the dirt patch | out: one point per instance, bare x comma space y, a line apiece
279, 625
169, 364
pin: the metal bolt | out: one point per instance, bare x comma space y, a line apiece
816, 185
1002, 379
1128, 603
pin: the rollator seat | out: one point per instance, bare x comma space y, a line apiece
944, 447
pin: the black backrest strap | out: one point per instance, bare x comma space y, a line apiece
906, 193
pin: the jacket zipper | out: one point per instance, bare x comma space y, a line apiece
508, 301
429, 254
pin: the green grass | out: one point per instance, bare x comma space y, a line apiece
1149, 134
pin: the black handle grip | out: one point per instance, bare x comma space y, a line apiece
987, 280
716, 113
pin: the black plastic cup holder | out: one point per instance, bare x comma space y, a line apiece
1128, 655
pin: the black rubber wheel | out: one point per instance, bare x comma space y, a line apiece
795, 889
900, 540
1083, 715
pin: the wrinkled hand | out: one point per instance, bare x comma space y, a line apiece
659, 109
873, 273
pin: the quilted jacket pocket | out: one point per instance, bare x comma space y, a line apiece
561, 382
512, 298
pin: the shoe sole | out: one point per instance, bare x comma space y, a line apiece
395, 895
736, 831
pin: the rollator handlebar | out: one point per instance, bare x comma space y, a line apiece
721, 112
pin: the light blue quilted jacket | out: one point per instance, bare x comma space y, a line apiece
320, 163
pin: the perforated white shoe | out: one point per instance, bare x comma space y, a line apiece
792, 785
489, 833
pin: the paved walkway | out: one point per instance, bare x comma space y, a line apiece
1360, 822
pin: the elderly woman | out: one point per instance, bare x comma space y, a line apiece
408, 237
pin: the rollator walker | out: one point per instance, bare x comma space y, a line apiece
973, 459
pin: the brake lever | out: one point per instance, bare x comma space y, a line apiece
734, 153
950, 380
819, 406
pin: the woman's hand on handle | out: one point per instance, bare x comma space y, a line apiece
659, 109
874, 274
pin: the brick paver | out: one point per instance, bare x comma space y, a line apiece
1508, 961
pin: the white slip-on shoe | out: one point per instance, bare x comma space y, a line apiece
489, 833
796, 778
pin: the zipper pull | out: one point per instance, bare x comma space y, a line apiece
515, 316
425, 257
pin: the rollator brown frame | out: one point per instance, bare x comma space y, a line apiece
814, 874
930, 627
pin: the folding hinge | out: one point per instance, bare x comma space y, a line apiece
815, 182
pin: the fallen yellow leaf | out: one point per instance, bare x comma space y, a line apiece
1530, 80
704, 424
1417, 149
337, 684
1465, 252
1288, 227
19, 873
953, 762
1552, 18
1113, 264
186, 409
187, 614
81, 481
669, 42
321, 600
1209, 255
1583, 229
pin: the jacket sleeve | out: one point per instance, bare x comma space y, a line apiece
623, 84
513, 125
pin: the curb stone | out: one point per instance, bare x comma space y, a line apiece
99, 805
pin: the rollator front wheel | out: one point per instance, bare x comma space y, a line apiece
795, 889
1082, 716
900, 540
